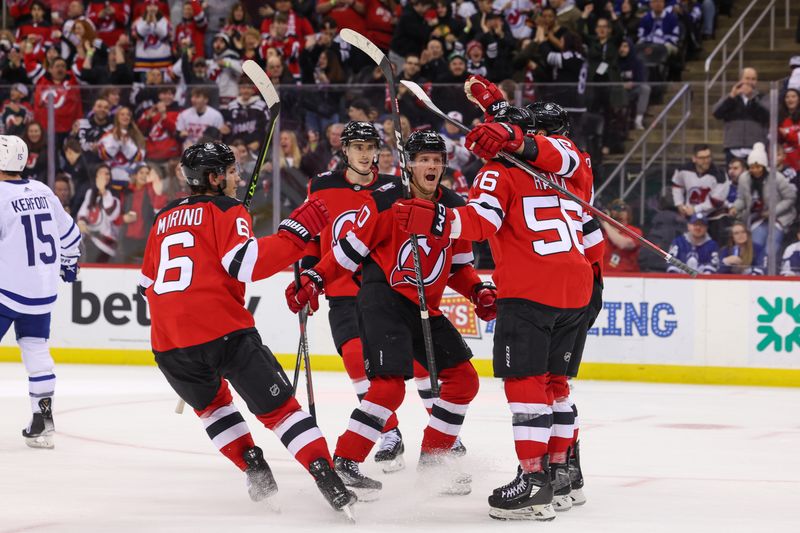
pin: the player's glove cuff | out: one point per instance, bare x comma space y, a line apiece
314, 276
496, 107
296, 229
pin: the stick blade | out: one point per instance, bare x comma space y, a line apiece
421, 95
357, 40
261, 81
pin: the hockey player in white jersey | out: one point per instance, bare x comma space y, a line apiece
38, 242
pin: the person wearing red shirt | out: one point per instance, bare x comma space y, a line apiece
380, 18
66, 98
622, 251
287, 46
200, 253
159, 123
111, 18
538, 240
298, 25
37, 25
346, 13
389, 319
191, 30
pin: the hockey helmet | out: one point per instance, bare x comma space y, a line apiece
13, 154
550, 117
200, 159
425, 141
519, 116
360, 131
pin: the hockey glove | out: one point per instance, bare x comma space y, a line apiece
487, 140
69, 269
423, 217
311, 284
484, 297
305, 222
485, 95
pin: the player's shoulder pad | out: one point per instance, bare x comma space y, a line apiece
332, 179
387, 194
450, 198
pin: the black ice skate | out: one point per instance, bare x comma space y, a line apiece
440, 471
367, 489
559, 478
260, 482
39, 433
528, 497
390, 452
458, 449
332, 487
576, 476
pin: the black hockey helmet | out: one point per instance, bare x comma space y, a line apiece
360, 131
519, 116
200, 159
550, 117
425, 141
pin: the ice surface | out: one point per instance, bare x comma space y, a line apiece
656, 458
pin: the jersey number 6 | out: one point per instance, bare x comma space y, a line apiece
166, 263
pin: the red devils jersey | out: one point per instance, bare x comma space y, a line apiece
375, 237
200, 253
343, 200
535, 233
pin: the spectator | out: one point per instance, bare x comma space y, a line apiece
287, 46
66, 99
153, 35
36, 167
299, 26
12, 66
236, 25
446, 27
549, 33
35, 25
792, 81
386, 162
432, 61
567, 14
411, 33
695, 247
735, 168
666, 224
110, 18
621, 251
191, 31
143, 97
476, 62
225, 68
790, 262
90, 55
789, 128
63, 191
744, 115
140, 203
633, 74
192, 122
321, 68
122, 147
160, 123
457, 154
290, 154
499, 45
96, 124
408, 102
346, 13
660, 26
701, 187
742, 255
568, 70
16, 112
97, 219
75, 168
245, 117
629, 18
75, 12
753, 204
119, 71
381, 17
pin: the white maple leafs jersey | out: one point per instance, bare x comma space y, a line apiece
35, 235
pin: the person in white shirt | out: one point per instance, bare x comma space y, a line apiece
39, 242
192, 122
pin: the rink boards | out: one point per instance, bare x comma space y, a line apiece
740, 330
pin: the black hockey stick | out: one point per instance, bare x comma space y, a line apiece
270, 95
302, 349
519, 163
368, 47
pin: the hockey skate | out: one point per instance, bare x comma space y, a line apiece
528, 497
260, 482
559, 478
458, 449
39, 433
576, 477
390, 452
439, 471
366, 489
332, 487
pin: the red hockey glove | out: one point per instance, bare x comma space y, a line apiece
484, 297
485, 95
305, 222
487, 140
423, 217
311, 284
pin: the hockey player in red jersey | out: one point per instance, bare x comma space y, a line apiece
538, 239
200, 253
389, 319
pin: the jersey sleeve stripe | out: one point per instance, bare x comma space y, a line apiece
144, 281
346, 255
240, 260
569, 159
69, 232
463, 259
488, 208
590, 225
593, 238
73, 243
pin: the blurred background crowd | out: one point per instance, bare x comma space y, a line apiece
107, 94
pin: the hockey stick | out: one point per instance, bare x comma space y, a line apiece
303, 349
514, 160
357, 40
270, 95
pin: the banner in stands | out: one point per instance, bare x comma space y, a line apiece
644, 321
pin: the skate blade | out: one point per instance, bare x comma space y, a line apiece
365, 495
395, 465
42, 441
578, 498
562, 503
272, 504
349, 513
540, 513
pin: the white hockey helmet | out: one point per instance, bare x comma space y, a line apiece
13, 153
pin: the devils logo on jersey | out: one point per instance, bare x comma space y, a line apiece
432, 257
342, 225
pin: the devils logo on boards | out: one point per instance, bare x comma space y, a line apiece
432, 256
